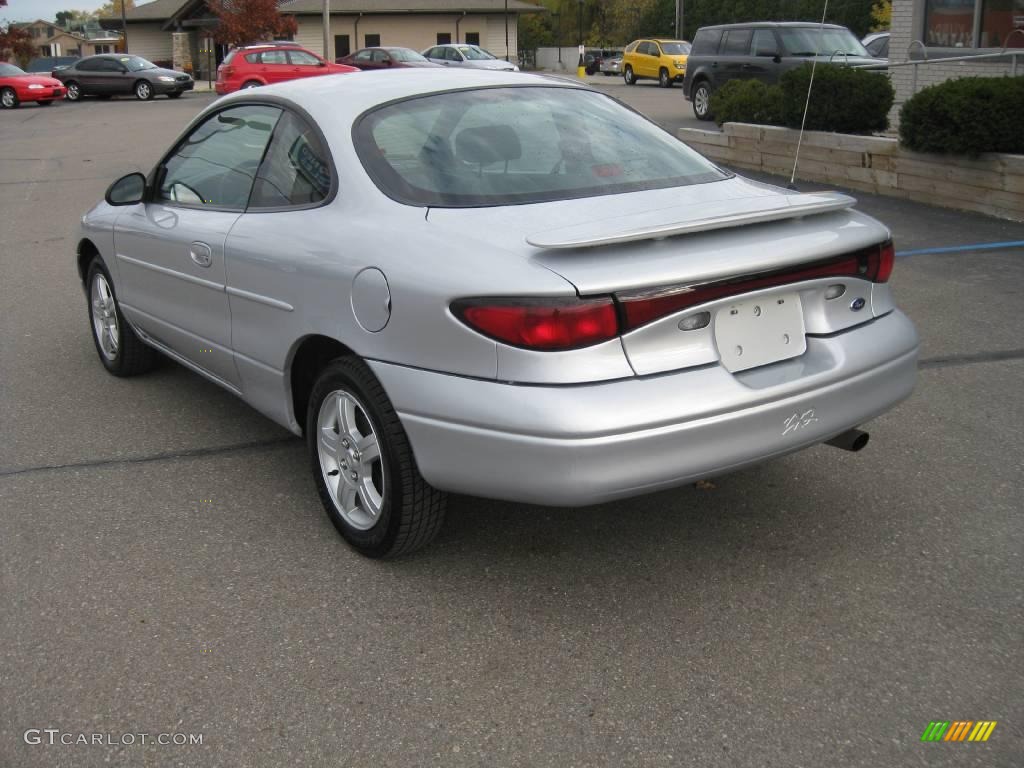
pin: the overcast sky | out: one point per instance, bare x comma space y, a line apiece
30, 10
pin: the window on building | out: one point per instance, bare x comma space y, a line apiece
473, 38
342, 46
998, 20
444, 38
372, 41
50, 32
951, 23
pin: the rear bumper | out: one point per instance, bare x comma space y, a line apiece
585, 444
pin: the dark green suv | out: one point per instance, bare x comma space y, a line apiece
763, 50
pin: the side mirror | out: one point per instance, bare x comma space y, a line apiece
777, 59
128, 190
321, 63
389, 62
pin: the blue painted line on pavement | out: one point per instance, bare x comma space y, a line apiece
961, 248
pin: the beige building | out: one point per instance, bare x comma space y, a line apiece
178, 33
416, 24
50, 40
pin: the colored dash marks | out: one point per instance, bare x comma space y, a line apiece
958, 730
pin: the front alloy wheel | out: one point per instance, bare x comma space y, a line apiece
143, 91
120, 350
8, 98
663, 79
105, 325
628, 76
74, 91
365, 472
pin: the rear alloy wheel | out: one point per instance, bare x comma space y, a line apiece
702, 101
663, 79
143, 90
120, 350
8, 98
251, 84
627, 75
74, 91
364, 468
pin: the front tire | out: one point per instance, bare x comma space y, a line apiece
702, 101
143, 90
663, 79
251, 84
628, 76
120, 350
363, 465
8, 98
74, 91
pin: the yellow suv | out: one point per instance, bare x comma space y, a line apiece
661, 60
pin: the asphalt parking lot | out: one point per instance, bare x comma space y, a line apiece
166, 567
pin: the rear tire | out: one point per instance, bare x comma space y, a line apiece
74, 91
365, 472
119, 349
8, 98
628, 76
663, 79
143, 90
251, 84
702, 100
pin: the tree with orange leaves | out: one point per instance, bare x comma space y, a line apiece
245, 21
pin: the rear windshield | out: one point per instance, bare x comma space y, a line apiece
808, 41
506, 146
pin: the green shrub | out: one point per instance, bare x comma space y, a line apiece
747, 101
843, 99
966, 117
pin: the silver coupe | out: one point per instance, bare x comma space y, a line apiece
495, 284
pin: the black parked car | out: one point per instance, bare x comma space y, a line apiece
47, 64
763, 51
110, 74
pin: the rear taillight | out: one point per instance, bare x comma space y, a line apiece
224, 72
542, 324
642, 307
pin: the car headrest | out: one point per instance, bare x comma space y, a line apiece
487, 144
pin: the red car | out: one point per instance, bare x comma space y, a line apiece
17, 86
251, 66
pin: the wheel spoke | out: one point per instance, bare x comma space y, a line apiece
369, 450
347, 497
347, 416
370, 499
329, 441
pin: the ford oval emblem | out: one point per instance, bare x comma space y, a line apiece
857, 305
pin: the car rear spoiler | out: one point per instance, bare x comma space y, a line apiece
725, 214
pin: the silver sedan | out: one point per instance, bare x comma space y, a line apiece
494, 284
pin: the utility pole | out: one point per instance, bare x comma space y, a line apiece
327, 29
679, 19
124, 28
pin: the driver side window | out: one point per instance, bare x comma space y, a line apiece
215, 165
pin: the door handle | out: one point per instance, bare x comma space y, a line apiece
201, 254
714, 65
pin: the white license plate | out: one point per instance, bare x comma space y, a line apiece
760, 331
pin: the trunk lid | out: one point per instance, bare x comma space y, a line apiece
669, 236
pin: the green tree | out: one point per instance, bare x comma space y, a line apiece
881, 14
112, 9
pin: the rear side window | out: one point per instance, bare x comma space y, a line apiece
215, 165
736, 42
229, 57
505, 146
706, 42
296, 170
631, 47
764, 43
273, 57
